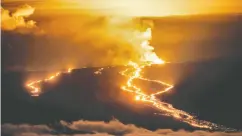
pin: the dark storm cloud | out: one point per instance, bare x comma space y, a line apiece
99, 128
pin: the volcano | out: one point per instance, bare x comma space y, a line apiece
201, 88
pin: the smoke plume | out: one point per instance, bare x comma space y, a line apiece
113, 40
78, 40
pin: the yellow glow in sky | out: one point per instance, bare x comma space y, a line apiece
137, 7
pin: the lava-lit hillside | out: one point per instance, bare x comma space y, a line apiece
82, 94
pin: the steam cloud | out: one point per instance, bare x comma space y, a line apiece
99, 128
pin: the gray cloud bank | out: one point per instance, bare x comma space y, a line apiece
100, 128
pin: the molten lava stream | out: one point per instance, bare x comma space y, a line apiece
149, 58
134, 72
33, 86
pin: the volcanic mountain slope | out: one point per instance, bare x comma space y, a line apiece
210, 90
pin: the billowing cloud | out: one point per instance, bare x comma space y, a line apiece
100, 128
113, 127
17, 20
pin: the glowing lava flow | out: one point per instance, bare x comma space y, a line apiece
99, 71
35, 90
134, 72
167, 109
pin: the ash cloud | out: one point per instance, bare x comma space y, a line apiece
100, 128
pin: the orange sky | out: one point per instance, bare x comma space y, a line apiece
134, 7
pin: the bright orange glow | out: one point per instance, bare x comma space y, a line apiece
33, 86
69, 70
137, 98
137, 7
99, 71
11, 21
24, 11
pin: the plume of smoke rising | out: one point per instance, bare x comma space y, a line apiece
113, 40
104, 40
16, 20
